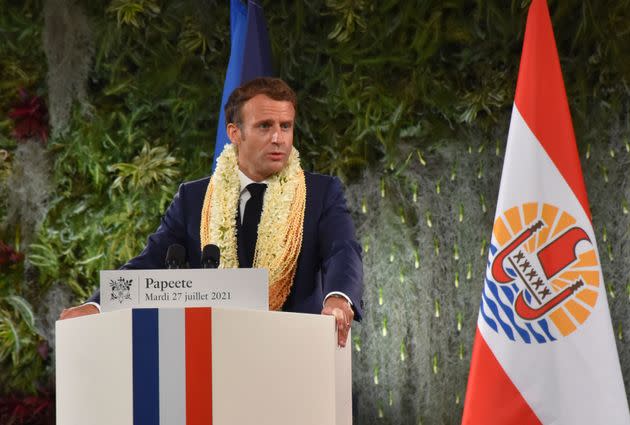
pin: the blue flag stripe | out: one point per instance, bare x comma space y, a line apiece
250, 57
145, 340
238, 30
257, 51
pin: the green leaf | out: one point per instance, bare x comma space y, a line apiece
23, 308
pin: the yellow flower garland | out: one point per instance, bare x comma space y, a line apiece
281, 223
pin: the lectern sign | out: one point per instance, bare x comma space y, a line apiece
238, 288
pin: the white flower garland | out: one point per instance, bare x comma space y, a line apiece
281, 223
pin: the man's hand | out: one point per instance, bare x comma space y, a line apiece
340, 308
81, 310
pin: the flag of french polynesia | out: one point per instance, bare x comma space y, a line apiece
544, 350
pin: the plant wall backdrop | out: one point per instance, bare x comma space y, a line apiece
107, 105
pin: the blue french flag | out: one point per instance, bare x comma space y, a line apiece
250, 57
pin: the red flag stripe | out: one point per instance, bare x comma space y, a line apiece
491, 397
198, 366
541, 99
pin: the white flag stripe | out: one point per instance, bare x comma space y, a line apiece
172, 343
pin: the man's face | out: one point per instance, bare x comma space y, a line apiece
265, 136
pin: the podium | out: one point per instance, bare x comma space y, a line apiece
201, 365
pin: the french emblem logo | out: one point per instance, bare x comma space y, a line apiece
121, 289
543, 274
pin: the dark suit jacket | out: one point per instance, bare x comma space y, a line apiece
330, 259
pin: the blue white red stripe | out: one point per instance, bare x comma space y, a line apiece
172, 366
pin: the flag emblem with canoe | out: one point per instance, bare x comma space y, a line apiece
543, 276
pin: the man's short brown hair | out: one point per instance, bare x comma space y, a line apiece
273, 88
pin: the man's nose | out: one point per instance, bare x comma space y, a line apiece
276, 137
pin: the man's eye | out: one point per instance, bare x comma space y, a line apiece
264, 126
286, 126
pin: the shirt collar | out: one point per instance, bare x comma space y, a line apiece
246, 181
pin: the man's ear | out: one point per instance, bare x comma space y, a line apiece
233, 133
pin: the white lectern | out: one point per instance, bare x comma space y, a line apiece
201, 366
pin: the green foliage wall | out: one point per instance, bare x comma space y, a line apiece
408, 102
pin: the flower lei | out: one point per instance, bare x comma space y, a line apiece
281, 222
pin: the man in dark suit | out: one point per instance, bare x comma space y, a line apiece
294, 223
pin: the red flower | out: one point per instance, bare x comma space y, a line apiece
33, 410
9, 256
16, 257
30, 117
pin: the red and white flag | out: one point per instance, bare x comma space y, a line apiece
544, 350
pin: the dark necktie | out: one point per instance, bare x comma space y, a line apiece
248, 231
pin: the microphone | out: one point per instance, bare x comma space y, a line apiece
175, 256
210, 257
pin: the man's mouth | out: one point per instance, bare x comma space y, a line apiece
276, 155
